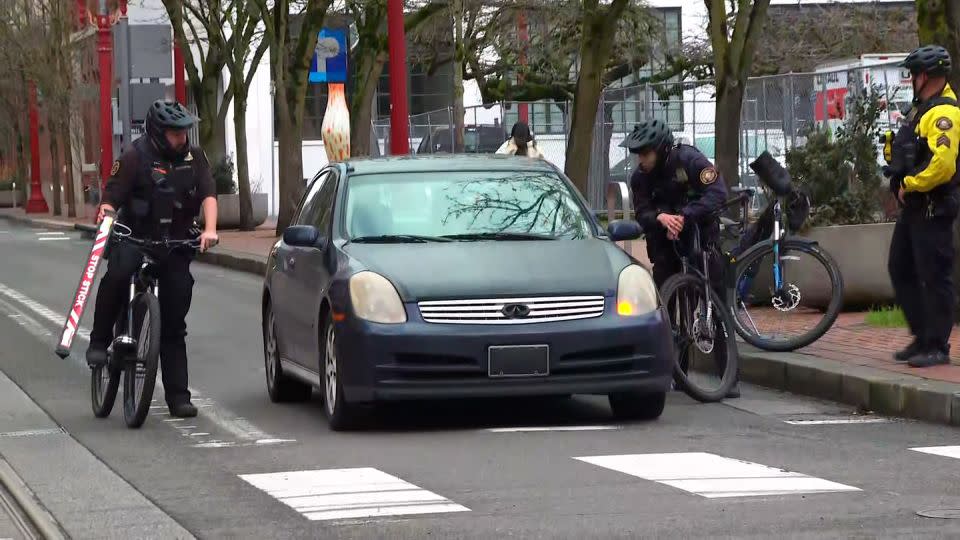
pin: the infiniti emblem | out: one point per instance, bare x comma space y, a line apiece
515, 311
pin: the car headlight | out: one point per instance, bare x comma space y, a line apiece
375, 299
636, 292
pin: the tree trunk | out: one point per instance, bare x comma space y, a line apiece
361, 110
64, 134
290, 141
457, 66
585, 105
212, 131
729, 100
938, 22
243, 171
55, 168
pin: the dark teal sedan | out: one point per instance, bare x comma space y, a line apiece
454, 277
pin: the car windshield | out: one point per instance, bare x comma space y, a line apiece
463, 205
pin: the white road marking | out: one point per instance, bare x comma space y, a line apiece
551, 428
945, 451
224, 419
713, 476
48, 238
350, 494
836, 421
199, 434
25, 321
50, 233
34, 432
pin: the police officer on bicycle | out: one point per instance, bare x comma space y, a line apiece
924, 177
673, 185
158, 186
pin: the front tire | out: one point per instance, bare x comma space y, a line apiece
637, 405
280, 387
140, 377
341, 415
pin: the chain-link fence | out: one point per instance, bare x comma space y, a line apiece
776, 114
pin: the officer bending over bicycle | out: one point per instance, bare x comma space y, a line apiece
673, 186
158, 185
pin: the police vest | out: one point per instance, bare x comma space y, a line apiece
941, 200
166, 201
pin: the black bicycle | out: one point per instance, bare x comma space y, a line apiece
773, 275
707, 360
135, 351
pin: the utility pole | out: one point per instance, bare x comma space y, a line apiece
399, 106
36, 204
105, 51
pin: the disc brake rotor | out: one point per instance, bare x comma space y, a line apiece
703, 335
787, 298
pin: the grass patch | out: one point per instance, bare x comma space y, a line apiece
886, 317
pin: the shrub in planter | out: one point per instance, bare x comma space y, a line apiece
222, 173
840, 171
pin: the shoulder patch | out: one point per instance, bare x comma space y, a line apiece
708, 176
943, 123
943, 140
116, 168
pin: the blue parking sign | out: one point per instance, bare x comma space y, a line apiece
329, 64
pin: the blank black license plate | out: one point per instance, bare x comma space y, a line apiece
519, 361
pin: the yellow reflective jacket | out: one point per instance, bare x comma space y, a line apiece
940, 128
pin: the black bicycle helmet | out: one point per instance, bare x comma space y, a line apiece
930, 59
650, 134
165, 115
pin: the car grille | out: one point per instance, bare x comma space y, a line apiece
518, 310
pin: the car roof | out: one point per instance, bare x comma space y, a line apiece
445, 162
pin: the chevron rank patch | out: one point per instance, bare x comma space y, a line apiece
708, 176
943, 140
944, 123
116, 168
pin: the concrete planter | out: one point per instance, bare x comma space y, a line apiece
228, 210
7, 199
861, 252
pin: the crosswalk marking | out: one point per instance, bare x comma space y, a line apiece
713, 476
349, 494
551, 428
945, 451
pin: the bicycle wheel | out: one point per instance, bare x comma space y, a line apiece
707, 361
801, 311
105, 380
140, 375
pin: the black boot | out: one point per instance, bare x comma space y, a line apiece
933, 358
909, 352
96, 355
182, 409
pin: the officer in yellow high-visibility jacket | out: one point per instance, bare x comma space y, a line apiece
924, 176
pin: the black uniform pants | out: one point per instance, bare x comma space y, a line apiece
921, 267
666, 261
175, 294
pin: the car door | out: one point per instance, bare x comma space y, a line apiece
285, 299
311, 273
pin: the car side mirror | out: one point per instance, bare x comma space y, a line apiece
624, 229
303, 236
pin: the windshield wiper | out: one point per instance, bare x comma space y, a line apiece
398, 239
499, 236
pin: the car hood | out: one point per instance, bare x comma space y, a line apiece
495, 268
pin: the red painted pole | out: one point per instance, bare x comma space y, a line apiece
399, 107
523, 110
37, 204
105, 50
179, 69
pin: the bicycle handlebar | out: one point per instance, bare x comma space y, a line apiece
193, 243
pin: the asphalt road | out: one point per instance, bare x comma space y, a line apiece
767, 465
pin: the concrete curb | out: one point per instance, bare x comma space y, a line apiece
39, 517
870, 389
